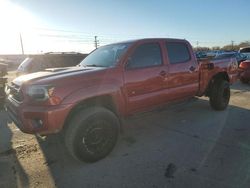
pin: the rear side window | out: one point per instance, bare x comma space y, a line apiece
178, 52
146, 55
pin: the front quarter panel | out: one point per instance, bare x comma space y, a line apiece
108, 84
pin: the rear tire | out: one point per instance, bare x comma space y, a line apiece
92, 134
220, 95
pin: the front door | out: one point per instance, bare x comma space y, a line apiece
144, 77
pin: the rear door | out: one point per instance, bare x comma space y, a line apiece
183, 74
144, 77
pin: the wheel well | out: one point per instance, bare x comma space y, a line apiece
104, 101
219, 76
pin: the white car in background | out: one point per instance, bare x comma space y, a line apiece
245, 51
214, 53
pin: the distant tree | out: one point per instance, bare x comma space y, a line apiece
236, 47
201, 49
216, 48
228, 47
244, 44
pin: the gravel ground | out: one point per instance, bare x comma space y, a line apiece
187, 145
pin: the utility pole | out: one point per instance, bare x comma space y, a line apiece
21, 42
96, 42
197, 45
232, 44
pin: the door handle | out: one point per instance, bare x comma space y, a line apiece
163, 73
192, 68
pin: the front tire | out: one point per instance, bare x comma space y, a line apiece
92, 134
220, 95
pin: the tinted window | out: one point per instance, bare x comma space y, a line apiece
177, 52
245, 50
106, 56
146, 55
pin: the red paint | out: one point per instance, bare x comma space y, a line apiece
131, 90
245, 70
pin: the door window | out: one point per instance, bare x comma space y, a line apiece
177, 52
146, 55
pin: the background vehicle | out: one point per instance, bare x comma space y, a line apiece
245, 66
245, 71
214, 53
3, 81
201, 54
35, 63
245, 50
87, 103
239, 56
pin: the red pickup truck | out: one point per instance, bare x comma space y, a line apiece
87, 103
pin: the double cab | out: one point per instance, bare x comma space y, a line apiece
87, 103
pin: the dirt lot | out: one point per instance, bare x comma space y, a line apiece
188, 145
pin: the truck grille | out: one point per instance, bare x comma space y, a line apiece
15, 92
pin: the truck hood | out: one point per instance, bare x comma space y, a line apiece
54, 73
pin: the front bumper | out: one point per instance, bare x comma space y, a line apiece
37, 119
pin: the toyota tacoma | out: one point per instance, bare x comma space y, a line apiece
88, 103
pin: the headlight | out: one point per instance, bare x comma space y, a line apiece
40, 92
7, 89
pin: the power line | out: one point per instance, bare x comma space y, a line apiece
60, 30
119, 37
86, 39
113, 35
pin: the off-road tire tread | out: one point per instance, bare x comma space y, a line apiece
215, 99
76, 123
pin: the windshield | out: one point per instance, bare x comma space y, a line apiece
25, 64
106, 56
